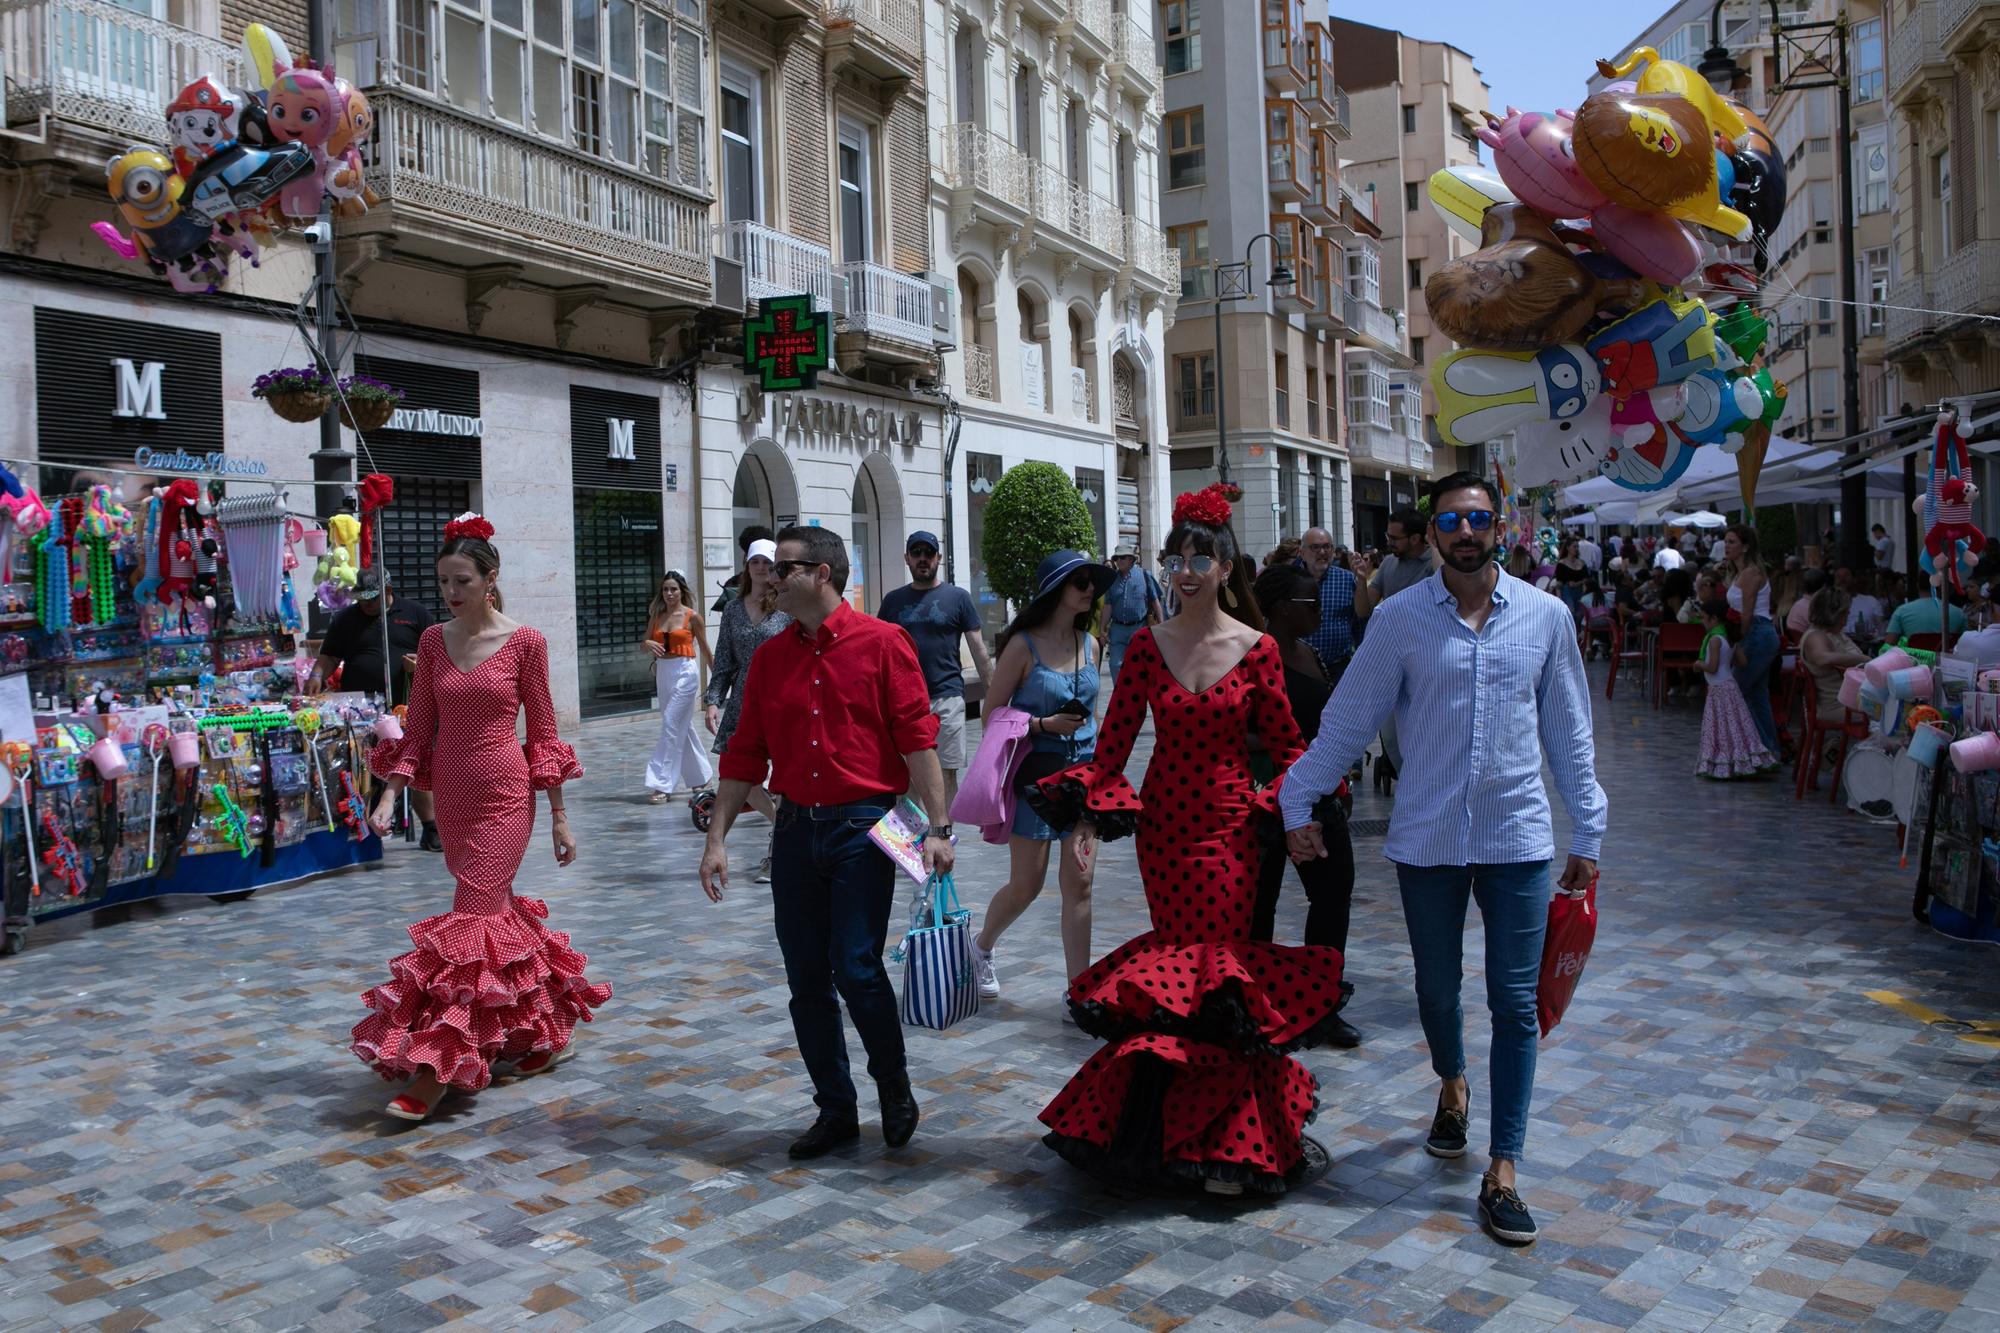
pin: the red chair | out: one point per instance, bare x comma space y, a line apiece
1930, 643
1621, 656
1808, 760
1588, 631
1678, 648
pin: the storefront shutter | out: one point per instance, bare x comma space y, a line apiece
174, 372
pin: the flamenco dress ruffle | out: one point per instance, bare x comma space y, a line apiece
1195, 1083
477, 987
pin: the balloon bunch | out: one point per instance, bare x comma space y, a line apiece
243, 163
1576, 332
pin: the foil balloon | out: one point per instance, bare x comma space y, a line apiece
165, 236
1651, 151
1550, 452
1484, 394
1670, 76
1717, 405
305, 111
1461, 196
1533, 153
1760, 184
1744, 331
1645, 454
1522, 290
1662, 342
1652, 245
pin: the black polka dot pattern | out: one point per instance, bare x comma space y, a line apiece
1195, 993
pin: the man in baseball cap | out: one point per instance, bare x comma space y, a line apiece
1134, 600
936, 615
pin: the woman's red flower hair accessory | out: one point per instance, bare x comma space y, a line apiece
1207, 506
468, 525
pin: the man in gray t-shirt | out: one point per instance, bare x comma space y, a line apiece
938, 616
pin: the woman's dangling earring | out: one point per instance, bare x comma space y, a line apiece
1229, 596
489, 596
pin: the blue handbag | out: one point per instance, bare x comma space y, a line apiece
936, 954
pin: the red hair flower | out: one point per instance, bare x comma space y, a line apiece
1208, 507
468, 525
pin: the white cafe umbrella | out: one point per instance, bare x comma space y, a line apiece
1704, 518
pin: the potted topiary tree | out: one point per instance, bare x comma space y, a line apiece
1034, 510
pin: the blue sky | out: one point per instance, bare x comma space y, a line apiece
1535, 57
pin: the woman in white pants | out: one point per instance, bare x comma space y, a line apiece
673, 637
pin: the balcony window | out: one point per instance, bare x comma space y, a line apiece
1312, 411
1281, 369
1415, 274
1285, 39
1875, 282
1327, 275
856, 164
1187, 150
1866, 37
1285, 132
742, 145
1871, 169
1319, 64
617, 79
1192, 243
1195, 378
1364, 274
1180, 26
1368, 394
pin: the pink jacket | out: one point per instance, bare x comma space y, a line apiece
986, 795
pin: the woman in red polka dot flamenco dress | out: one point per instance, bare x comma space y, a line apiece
1194, 1087
487, 981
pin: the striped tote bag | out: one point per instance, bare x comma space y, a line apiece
936, 954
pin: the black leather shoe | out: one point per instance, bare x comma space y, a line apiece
827, 1133
433, 840
1343, 1035
899, 1114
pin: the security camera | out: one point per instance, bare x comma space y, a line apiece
320, 234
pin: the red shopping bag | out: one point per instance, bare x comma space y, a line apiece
1565, 949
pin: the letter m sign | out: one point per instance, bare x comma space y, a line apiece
621, 439
139, 392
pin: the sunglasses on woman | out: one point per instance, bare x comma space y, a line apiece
1196, 564
1478, 520
1083, 582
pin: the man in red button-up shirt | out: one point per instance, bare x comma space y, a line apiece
835, 708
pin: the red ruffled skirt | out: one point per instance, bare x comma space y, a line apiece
476, 988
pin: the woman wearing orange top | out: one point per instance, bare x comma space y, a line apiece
673, 636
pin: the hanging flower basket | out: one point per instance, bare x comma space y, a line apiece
367, 404
296, 393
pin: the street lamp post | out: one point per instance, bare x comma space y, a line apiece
1232, 283
1818, 59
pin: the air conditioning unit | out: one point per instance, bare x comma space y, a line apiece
944, 332
840, 296
729, 293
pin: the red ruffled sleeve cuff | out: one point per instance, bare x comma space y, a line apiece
1087, 791
401, 759
550, 764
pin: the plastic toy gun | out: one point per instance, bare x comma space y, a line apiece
235, 825
353, 810
59, 854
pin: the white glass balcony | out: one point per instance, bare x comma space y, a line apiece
1369, 442
467, 182
776, 263
93, 64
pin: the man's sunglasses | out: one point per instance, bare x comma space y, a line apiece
784, 569
1479, 520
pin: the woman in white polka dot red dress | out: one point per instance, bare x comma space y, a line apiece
487, 982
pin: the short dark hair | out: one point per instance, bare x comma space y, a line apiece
1812, 580
1459, 481
756, 532
1879, 528
823, 546
1410, 520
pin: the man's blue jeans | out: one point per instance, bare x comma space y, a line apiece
831, 894
1514, 904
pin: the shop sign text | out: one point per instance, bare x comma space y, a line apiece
430, 421
139, 389
810, 419
619, 431
208, 464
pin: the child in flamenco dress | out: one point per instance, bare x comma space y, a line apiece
487, 981
1730, 745
1194, 1086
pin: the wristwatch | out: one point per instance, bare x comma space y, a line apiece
939, 831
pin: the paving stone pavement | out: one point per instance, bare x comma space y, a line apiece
1727, 1135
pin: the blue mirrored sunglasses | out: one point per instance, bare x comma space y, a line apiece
1479, 520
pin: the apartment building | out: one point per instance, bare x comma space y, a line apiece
1045, 130
1943, 88
578, 206
1255, 133
1416, 106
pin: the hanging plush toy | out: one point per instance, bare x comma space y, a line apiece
178, 535
337, 568
1951, 539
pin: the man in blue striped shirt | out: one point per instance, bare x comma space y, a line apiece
1482, 674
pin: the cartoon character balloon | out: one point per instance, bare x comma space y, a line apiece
1654, 152
1533, 152
1484, 394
